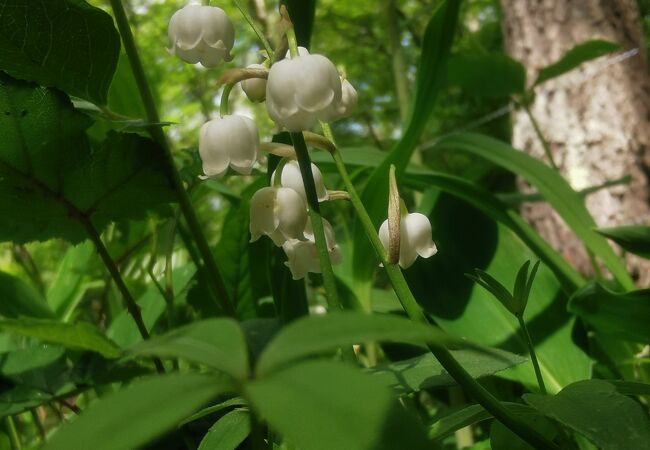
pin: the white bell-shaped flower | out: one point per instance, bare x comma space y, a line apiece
303, 90
228, 141
201, 34
349, 99
415, 238
303, 256
279, 213
255, 88
292, 178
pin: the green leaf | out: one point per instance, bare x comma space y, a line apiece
217, 343
436, 44
311, 406
24, 360
579, 54
81, 335
519, 291
21, 299
630, 387
228, 432
318, 334
66, 44
593, 408
550, 184
51, 180
302, 14
626, 316
138, 413
498, 291
633, 238
235, 401
66, 288
425, 372
486, 75
501, 438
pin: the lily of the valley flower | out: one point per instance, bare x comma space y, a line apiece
255, 88
349, 99
303, 255
292, 178
279, 213
415, 238
201, 34
228, 141
303, 90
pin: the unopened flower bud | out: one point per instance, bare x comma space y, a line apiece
255, 88
201, 34
292, 178
228, 141
303, 255
279, 213
349, 99
415, 238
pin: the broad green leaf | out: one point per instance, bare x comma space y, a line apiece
80, 335
425, 372
436, 44
217, 343
65, 290
593, 408
550, 184
630, 387
318, 334
51, 180
228, 432
136, 414
626, 316
486, 75
235, 401
66, 44
23, 360
18, 298
633, 238
579, 54
323, 405
501, 438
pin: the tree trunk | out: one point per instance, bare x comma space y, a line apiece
596, 118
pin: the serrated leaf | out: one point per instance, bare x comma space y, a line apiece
577, 55
18, 298
228, 432
66, 44
633, 238
80, 335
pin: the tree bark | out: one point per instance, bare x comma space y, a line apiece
596, 118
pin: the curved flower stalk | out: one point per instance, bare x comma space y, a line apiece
228, 141
303, 255
302, 91
201, 34
290, 177
279, 213
415, 238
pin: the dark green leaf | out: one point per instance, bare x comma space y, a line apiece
529, 285
217, 343
311, 405
138, 413
66, 288
633, 238
318, 334
66, 44
593, 408
579, 54
425, 372
81, 335
626, 316
501, 438
302, 15
235, 401
23, 360
550, 184
228, 432
486, 75
499, 291
630, 387
51, 181
519, 291
18, 298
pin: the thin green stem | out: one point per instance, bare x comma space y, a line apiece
533, 355
224, 107
304, 162
39, 424
14, 439
293, 42
260, 34
156, 131
540, 136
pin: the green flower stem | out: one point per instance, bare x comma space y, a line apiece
329, 280
224, 108
540, 135
260, 35
14, 439
415, 313
533, 355
158, 135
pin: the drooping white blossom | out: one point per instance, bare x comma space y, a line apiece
292, 178
255, 88
415, 238
303, 90
349, 99
279, 213
303, 256
201, 34
228, 141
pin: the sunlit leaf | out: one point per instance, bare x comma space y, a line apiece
579, 54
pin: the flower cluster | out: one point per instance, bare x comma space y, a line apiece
300, 91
